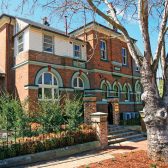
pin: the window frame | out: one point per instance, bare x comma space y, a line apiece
79, 51
20, 43
124, 57
52, 44
52, 86
78, 87
103, 50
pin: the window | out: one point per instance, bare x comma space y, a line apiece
78, 83
103, 52
77, 51
116, 91
48, 45
138, 92
104, 91
124, 56
48, 87
20, 43
126, 93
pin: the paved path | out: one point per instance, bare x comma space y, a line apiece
91, 157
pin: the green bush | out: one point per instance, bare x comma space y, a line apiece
11, 113
72, 110
50, 116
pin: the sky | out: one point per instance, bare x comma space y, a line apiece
11, 8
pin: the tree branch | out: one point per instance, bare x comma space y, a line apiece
163, 30
114, 21
143, 17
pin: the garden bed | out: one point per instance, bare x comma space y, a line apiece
137, 159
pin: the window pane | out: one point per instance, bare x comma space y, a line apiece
48, 39
55, 81
80, 83
47, 79
48, 47
40, 80
40, 93
47, 93
77, 51
75, 82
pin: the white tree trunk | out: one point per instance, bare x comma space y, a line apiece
156, 116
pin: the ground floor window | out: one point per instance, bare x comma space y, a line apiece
48, 87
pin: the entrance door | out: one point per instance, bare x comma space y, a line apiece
110, 113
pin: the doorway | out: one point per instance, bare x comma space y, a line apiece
110, 113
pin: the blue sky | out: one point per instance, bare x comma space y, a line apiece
78, 20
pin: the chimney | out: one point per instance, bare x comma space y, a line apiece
45, 21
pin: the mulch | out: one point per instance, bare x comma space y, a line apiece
138, 159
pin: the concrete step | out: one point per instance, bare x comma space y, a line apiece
126, 138
112, 132
121, 134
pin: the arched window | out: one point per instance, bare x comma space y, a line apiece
126, 93
116, 91
48, 87
138, 92
78, 83
104, 91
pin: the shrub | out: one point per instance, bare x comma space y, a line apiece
11, 113
72, 109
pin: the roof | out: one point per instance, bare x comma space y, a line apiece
98, 24
42, 26
90, 23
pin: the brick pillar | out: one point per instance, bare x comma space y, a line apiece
99, 122
89, 108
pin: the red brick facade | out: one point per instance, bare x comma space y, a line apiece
21, 77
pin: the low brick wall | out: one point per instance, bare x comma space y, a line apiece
49, 155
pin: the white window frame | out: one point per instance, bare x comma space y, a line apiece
124, 56
20, 43
52, 43
77, 51
102, 50
49, 86
78, 87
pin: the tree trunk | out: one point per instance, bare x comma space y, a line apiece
156, 116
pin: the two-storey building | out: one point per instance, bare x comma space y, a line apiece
41, 63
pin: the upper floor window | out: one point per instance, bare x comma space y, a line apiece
48, 87
124, 56
77, 51
103, 51
48, 44
20, 43
78, 83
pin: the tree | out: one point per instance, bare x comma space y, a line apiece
155, 109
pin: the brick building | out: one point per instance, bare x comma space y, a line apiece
40, 63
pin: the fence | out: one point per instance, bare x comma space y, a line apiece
132, 121
18, 142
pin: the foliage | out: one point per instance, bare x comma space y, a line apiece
73, 112
50, 115
11, 113
44, 142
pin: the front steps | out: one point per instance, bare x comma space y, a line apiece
118, 134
